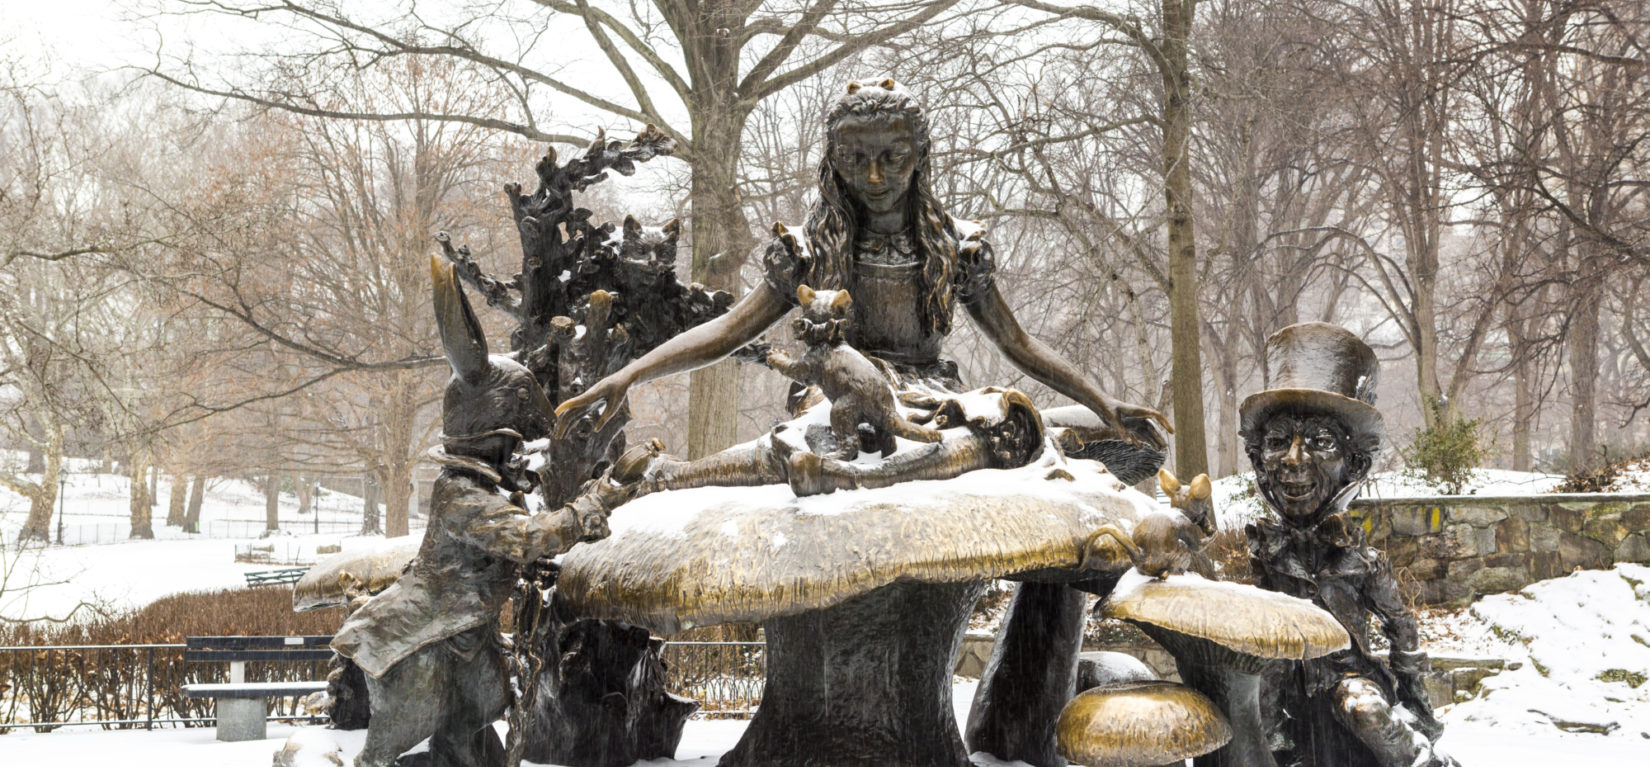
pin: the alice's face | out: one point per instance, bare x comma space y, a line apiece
1302, 463
876, 157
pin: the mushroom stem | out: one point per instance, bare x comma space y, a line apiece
1031, 676
1237, 693
867, 682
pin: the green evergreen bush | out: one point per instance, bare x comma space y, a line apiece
1444, 455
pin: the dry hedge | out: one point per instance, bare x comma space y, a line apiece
114, 684
265, 611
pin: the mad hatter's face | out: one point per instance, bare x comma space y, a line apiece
1303, 464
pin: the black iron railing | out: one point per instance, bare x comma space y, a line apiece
122, 686
137, 686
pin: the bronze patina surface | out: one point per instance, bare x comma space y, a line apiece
706, 556
1313, 436
1245, 619
330, 582
1140, 724
1223, 636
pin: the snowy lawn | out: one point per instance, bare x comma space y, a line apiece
95, 507
1581, 643
38, 582
1475, 744
1584, 643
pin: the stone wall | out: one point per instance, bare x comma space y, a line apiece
1450, 549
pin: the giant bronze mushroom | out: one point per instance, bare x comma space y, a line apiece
864, 594
1222, 636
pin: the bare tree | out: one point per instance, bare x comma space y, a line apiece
327, 280
713, 62
59, 303
1165, 49
1562, 103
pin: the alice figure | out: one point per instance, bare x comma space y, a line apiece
879, 232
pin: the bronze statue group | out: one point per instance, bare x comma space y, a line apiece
887, 266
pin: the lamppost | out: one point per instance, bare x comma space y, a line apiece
62, 483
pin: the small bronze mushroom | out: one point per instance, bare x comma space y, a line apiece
1140, 724
1222, 636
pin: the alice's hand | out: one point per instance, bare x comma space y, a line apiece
607, 394
1143, 423
1133, 423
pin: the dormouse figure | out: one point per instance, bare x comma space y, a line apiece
864, 415
1193, 499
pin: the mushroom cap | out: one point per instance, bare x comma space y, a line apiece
699, 557
373, 568
1138, 724
1249, 622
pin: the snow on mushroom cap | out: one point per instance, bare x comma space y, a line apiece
703, 556
1245, 619
1140, 724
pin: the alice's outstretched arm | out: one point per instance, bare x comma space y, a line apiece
697, 347
1036, 359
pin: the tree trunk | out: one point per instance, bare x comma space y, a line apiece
721, 241
197, 496
306, 494
272, 502
154, 484
1523, 412
38, 526
141, 505
1426, 346
176, 500
370, 520
1583, 352
1226, 445
397, 487
1191, 455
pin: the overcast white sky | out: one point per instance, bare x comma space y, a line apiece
81, 35
66, 40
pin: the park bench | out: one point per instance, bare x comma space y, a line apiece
275, 577
241, 708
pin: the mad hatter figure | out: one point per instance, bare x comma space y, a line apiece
1312, 436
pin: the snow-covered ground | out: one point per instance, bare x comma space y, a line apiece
1581, 643
95, 507
120, 573
1474, 743
1584, 644
1632, 476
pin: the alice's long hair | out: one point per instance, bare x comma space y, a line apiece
834, 220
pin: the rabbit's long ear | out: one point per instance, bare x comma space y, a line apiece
461, 336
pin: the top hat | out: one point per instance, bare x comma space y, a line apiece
1315, 367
